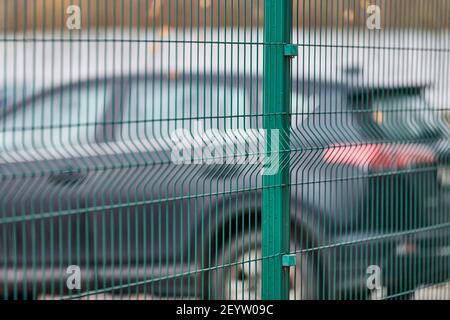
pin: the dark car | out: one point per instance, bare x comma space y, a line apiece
88, 179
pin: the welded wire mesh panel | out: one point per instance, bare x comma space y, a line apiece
130, 149
224, 149
370, 148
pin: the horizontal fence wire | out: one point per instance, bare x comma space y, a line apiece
149, 149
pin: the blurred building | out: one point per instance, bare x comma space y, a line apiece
18, 15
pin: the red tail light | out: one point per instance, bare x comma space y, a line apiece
380, 156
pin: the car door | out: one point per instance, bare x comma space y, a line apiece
47, 143
149, 208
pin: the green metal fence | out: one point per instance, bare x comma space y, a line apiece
224, 149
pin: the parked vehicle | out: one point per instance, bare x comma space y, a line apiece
87, 180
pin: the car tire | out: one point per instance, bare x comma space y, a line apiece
237, 275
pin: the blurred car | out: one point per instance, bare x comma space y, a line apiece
87, 180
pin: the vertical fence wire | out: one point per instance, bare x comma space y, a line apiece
224, 149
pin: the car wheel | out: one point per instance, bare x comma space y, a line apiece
238, 273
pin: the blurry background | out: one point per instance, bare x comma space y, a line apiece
21, 15
331, 35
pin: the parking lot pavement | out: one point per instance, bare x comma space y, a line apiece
436, 292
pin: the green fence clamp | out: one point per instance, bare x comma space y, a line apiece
290, 50
288, 260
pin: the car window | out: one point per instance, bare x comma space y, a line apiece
157, 109
407, 117
61, 119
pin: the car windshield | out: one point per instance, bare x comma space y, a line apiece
407, 117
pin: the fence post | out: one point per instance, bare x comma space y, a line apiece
277, 99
